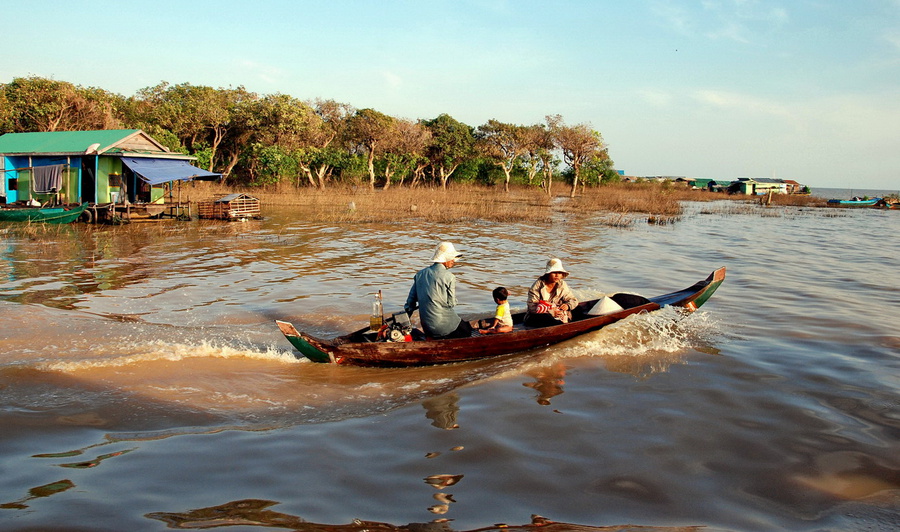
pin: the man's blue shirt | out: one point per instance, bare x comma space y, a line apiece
434, 293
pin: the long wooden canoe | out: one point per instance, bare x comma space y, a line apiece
50, 215
360, 348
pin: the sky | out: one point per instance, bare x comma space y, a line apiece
793, 89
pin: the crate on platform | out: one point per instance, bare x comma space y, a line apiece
230, 207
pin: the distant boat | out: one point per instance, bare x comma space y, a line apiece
854, 202
49, 215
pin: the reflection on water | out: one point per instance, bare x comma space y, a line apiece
41, 491
96, 461
255, 512
442, 411
548, 383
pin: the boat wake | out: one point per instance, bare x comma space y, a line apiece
668, 330
162, 351
641, 344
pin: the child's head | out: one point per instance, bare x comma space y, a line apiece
500, 294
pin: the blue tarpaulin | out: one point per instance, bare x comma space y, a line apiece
156, 171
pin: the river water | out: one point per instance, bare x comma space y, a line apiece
144, 385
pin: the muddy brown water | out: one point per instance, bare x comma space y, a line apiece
144, 385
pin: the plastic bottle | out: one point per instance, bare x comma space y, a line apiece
377, 318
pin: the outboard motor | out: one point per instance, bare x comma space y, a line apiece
398, 328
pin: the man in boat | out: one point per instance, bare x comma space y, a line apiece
434, 293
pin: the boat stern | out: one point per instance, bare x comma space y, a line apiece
301, 344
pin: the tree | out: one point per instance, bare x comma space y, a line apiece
6, 113
405, 151
452, 143
200, 116
538, 156
579, 144
286, 122
328, 122
503, 143
40, 104
372, 130
598, 170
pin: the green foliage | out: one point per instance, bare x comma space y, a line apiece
481, 171
274, 164
204, 155
277, 138
41, 104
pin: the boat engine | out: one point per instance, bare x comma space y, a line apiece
397, 328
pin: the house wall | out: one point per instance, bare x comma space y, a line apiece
107, 166
17, 184
9, 175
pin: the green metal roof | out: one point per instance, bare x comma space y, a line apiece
61, 141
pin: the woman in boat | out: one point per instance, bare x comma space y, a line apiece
434, 293
550, 300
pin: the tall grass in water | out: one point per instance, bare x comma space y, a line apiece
618, 205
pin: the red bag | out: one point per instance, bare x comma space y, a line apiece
544, 307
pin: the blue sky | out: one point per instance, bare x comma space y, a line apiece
801, 89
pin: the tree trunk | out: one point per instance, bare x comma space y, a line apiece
418, 173
230, 166
445, 174
388, 173
322, 174
218, 135
371, 163
574, 184
308, 171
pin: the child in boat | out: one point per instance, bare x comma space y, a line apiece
502, 321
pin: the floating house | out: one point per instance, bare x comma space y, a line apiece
709, 184
101, 168
758, 186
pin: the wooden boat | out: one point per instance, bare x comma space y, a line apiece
853, 202
50, 215
363, 348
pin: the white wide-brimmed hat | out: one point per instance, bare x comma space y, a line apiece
445, 252
555, 266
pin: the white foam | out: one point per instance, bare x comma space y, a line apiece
160, 350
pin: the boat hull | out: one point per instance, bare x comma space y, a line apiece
52, 215
853, 203
352, 349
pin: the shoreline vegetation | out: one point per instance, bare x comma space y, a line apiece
336, 163
616, 204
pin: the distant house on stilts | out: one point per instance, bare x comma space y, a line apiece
116, 170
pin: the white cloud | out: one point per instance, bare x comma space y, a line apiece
267, 73
743, 102
392, 80
656, 97
674, 17
893, 39
740, 20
